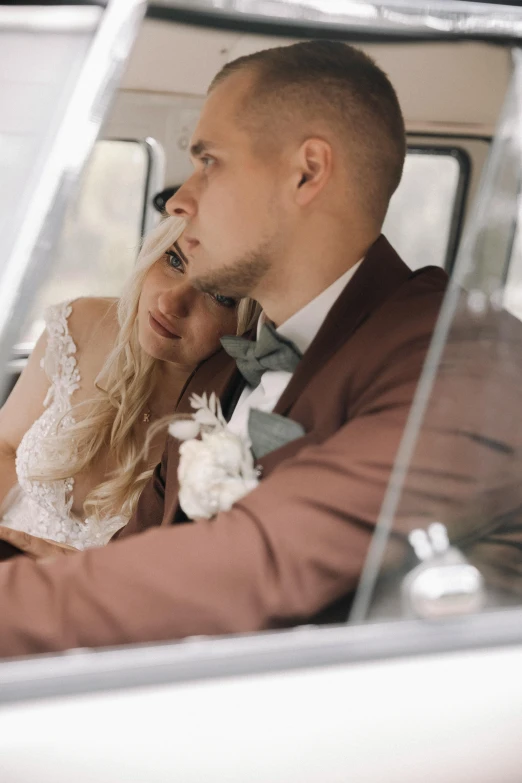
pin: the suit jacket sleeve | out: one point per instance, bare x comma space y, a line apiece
290, 548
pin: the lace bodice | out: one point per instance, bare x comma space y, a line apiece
43, 508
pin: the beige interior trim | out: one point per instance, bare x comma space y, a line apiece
451, 84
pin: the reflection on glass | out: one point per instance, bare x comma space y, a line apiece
460, 460
101, 233
59, 67
513, 288
38, 67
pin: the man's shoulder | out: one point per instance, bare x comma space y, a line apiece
426, 286
430, 276
384, 285
384, 264
406, 317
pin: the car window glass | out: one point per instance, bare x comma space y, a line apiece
419, 222
101, 233
456, 482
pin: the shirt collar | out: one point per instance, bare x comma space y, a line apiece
302, 327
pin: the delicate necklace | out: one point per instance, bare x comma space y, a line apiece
149, 414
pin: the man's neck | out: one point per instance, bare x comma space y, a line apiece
302, 281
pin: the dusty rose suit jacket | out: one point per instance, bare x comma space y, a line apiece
295, 545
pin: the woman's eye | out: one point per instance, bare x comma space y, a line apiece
207, 161
174, 261
224, 301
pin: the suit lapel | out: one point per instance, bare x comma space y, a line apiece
381, 272
217, 374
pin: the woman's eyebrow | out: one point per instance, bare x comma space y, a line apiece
180, 251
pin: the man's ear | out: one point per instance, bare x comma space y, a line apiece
314, 169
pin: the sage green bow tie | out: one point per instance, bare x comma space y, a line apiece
271, 351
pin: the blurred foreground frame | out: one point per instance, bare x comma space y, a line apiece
460, 458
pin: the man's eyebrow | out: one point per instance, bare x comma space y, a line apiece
199, 147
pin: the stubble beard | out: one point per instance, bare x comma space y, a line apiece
244, 276
240, 278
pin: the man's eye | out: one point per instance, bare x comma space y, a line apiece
207, 161
224, 301
174, 261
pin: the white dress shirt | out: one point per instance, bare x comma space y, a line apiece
301, 328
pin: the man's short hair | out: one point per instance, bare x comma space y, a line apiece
332, 81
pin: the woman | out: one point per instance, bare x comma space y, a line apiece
73, 429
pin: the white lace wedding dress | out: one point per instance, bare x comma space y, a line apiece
43, 508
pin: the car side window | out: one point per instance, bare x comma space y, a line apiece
424, 213
102, 230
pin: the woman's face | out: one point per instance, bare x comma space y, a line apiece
177, 323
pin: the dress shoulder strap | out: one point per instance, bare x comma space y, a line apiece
59, 362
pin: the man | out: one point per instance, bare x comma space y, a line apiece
297, 153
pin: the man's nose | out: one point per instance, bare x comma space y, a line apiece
177, 302
184, 202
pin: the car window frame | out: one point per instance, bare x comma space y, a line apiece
153, 181
84, 671
462, 156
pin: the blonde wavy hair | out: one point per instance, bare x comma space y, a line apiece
125, 382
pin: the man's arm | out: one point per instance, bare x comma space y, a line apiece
293, 545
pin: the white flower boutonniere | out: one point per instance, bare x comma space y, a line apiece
216, 466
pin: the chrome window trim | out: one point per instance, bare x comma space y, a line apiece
154, 183
204, 658
356, 19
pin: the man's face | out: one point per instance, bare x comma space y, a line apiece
232, 202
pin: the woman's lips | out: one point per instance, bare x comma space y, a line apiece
161, 328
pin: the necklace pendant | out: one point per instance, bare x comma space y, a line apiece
146, 417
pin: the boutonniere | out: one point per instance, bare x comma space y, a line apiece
216, 466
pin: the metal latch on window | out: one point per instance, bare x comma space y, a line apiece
444, 584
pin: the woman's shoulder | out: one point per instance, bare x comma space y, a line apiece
85, 329
90, 318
